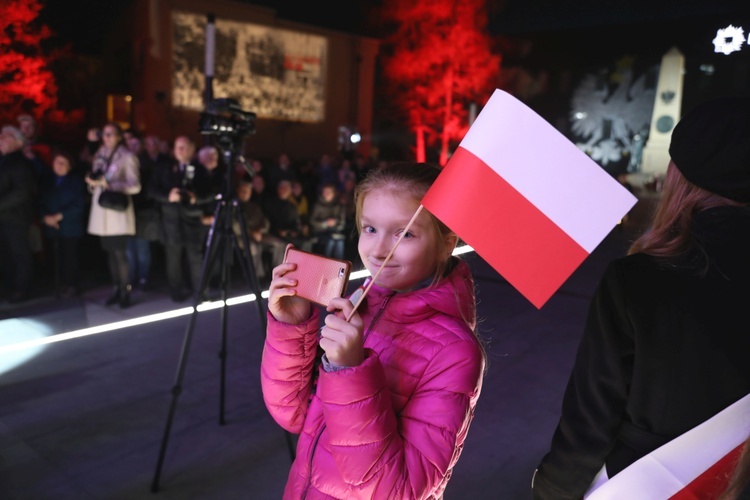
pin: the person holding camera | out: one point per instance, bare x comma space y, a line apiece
114, 168
181, 187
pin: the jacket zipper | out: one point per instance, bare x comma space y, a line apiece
376, 317
323, 427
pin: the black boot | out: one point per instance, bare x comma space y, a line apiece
115, 298
125, 296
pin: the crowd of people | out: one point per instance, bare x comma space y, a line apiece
54, 202
382, 390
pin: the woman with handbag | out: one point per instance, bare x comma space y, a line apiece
114, 173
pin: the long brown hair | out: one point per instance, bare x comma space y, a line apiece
669, 233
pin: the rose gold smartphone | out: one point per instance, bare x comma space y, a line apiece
319, 278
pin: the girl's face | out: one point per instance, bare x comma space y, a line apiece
60, 166
385, 214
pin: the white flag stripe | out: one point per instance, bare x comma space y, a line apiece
550, 171
668, 469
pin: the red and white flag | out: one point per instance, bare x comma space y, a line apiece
528, 201
696, 465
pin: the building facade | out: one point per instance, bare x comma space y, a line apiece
302, 82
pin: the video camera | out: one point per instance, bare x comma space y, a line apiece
224, 117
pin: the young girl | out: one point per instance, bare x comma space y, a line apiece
386, 412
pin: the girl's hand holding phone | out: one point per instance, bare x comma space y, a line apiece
343, 341
283, 302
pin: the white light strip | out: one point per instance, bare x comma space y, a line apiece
205, 306
97, 329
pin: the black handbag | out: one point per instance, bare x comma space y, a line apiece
114, 200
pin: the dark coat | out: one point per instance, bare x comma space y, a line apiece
217, 179
66, 195
18, 189
181, 221
665, 347
323, 210
147, 210
284, 218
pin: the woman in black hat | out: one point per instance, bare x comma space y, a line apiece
666, 339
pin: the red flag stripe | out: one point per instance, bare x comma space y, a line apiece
502, 226
712, 482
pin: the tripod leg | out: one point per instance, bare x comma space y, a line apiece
246, 261
177, 387
228, 233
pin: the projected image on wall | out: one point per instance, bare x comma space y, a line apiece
278, 74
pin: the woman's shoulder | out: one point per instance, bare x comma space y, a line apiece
123, 153
637, 262
644, 277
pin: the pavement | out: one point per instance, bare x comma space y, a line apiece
89, 416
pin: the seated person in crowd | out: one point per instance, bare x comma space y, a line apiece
266, 250
328, 222
285, 220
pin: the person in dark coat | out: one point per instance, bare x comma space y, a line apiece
284, 218
18, 192
147, 217
180, 188
266, 251
328, 222
665, 344
62, 209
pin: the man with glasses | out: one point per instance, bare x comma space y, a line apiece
181, 187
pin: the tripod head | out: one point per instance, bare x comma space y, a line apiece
225, 119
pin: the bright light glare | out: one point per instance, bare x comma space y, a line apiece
355, 138
18, 335
17, 331
462, 250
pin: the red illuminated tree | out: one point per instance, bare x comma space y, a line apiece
27, 85
437, 62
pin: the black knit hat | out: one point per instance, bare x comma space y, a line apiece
711, 147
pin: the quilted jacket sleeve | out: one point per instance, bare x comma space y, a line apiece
286, 370
410, 454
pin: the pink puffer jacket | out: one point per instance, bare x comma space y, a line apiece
393, 427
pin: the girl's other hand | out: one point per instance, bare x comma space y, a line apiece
283, 302
343, 341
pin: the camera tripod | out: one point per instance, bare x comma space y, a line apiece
222, 244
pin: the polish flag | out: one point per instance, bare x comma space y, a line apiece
528, 201
695, 465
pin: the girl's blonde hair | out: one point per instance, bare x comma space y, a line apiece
410, 179
669, 233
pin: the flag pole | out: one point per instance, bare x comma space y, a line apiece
387, 258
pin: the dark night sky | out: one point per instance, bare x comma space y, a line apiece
86, 22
